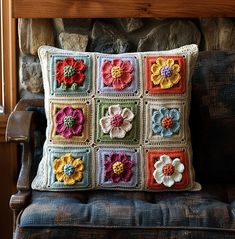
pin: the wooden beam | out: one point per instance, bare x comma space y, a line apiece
122, 8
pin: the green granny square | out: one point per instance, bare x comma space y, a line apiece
117, 121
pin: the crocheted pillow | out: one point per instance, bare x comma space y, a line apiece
117, 121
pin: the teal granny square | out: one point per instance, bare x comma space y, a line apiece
70, 74
117, 121
69, 163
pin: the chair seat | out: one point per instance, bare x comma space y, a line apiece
212, 207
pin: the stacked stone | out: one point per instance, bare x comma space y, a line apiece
113, 36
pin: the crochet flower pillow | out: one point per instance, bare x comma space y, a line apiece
117, 122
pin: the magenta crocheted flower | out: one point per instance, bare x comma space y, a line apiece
118, 167
69, 122
117, 73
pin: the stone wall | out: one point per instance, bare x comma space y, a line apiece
113, 36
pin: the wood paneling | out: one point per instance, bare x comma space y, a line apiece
121, 8
7, 187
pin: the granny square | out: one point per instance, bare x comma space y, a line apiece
168, 168
165, 122
70, 75
70, 121
117, 75
118, 168
165, 74
69, 167
117, 121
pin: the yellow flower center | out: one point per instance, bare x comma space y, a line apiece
116, 72
118, 167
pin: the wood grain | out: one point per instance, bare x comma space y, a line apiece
121, 8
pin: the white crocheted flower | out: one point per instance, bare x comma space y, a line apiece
167, 172
117, 121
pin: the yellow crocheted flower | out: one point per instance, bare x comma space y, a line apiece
165, 73
68, 170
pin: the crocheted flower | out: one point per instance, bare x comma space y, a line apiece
70, 72
117, 167
117, 73
69, 121
68, 170
165, 72
167, 172
117, 122
165, 122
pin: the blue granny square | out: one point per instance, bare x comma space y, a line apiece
69, 168
70, 74
118, 167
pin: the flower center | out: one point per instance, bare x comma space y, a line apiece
116, 72
69, 71
69, 121
118, 167
117, 120
166, 71
167, 122
168, 169
68, 169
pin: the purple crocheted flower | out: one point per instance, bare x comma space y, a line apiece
118, 167
69, 122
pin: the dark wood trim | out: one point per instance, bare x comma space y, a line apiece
121, 8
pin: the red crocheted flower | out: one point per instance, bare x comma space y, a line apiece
70, 71
117, 73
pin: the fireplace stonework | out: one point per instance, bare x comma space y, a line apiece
114, 36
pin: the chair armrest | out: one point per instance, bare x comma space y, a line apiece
21, 126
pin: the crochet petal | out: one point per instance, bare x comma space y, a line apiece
156, 79
118, 84
69, 180
127, 114
106, 67
114, 110
60, 177
157, 129
59, 117
116, 62
126, 176
175, 127
59, 66
68, 110
60, 128
126, 125
170, 62
157, 116
165, 159
78, 115
79, 65
127, 66
78, 78
67, 159
58, 166
68, 61
164, 111
175, 78
176, 176
175, 68
174, 114
158, 176
168, 181
166, 83
77, 129
126, 77
77, 176
179, 167
156, 69
166, 132
161, 62
78, 164
117, 132
67, 133
105, 124
107, 78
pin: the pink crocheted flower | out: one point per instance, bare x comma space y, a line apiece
117, 73
69, 122
118, 167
